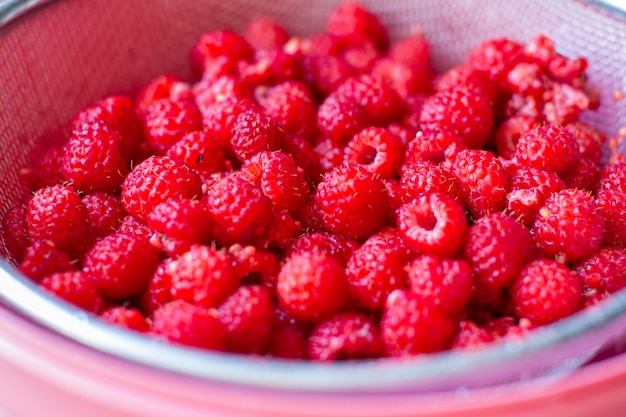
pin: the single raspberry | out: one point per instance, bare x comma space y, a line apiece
613, 177
188, 324
564, 104
375, 269
330, 154
461, 110
432, 224
360, 55
45, 170
280, 178
339, 119
483, 181
75, 287
219, 119
213, 89
351, 22
496, 57
121, 265
528, 79
163, 87
254, 132
532, 301
58, 214
282, 231
584, 175
445, 283
330, 244
470, 336
43, 258
130, 225
549, 147
184, 220
305, 156
345, 336
569, 225
423, 177
411, 326
106, 213
612, 207
166, 122
377, 149
200, 151
497, 247
158, 291
590, 141
432, 145
381, 102
292, 105
325, 73
126, 317
404, 78
240, 210
158, 179
15, 231
224, 46
469, 77
288, 342
247, 317
604, 271
273, 66
530, 188
413, 50
312, 286
265, 33
509, 132
353, 201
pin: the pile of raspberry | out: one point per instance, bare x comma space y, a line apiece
332, 197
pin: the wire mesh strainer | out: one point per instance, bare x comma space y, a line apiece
61, 57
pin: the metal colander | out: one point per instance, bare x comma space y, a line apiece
63, 55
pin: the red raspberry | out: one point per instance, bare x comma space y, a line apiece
528, 79
166, 122
360, 55
470, 336
305, 156
445, 283
604, 271
310, 216
273, 66
377, 149
413, 50
93, 160
158, 291
405, 79
496, 57
569, 225
548, 147
240, 210
345, 336
292, 105
43, 258
612, 206
374, 270
432, 224
213, 89
121, 265
466, 76
584, 175
411, 326
330, 154
57, 213
188, 324
75, 287
590, 141
461, 110
394, 194
509, 132
163, 87
280, 178
44, 171
282, 231
288, 342
353, 201
312, 286
200, 151
351, 22
330, 244
530, 188
432, 145
564, 104
381, 102
247, 317
423, 177
264, 33
106, 213
326, 73
533, 302
497, 247
158, 179
254, 264
613, 177
224, 46
219, 119
339, 119
405, 133
15, 231
254, 132
126, 317
130, 225
483, 181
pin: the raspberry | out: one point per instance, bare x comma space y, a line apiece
532, 301
57, 214
466, 76
569, 225
254, 132
470, 336
280, 178
15, 231
43, 258
288, 343
292, 105
329, 153
361, 56
240, 210
345, 336
590, 141
483, 181
158, 179
604, 271
584, 175
565, 104
254, 264
77, 288
424, 177
219, 119
351, 22
353, 201
612, 207
247, 317
203, 276
381, 102
548, 147
445, 283
128, 318
106, 213
330, 244
326, 73
431, 145
188, 324
45, 171
339, 119
282, 231
530, 188
405, 79
121, 265
461, 110
413, 50
213, 89
166, 122
432, 224
163, 87
410, 326
496, 57
305, 156
377, 149
613, 177
374, 270
528, 79
224, 46
158, 290
509, 132
265, 33
130, 225
200, 151
312, 286
497, 247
